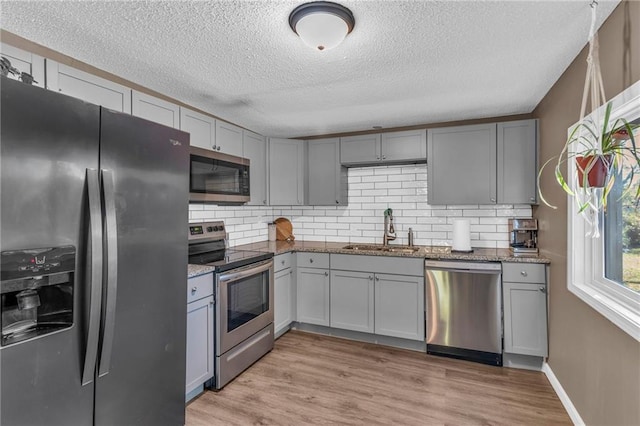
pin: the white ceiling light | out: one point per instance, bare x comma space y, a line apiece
321, 25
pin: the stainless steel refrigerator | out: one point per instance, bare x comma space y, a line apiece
94, 263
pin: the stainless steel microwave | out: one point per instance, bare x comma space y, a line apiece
218, 178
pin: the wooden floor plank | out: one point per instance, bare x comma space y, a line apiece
310, 379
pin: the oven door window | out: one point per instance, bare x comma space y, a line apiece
247, 298
211, 176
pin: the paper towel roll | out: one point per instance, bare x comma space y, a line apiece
461, 235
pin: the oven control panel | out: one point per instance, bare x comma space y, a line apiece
208, 230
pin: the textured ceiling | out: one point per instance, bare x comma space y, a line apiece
405, 63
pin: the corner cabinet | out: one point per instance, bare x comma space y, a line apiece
202, 128
88, 87
154, 109
385, 148
286, 172
326, 177
524, 292
483, 164
255, 149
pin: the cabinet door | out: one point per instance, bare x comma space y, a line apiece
399, 306
517, 162
363, 149
282, 300
200, 332
88, 87
525, 318
326, 177
24, 61
255, 149
154, 109
404, 146
228, 138
352, 300
201, 127
461, 165
312, 287
286, 172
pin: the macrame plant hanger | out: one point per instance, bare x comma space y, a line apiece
594, 89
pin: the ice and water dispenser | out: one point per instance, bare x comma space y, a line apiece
36, 292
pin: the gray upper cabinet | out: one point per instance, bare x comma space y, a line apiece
88, 87
462, 165
386, 148
202, 128
24, 61
228, 138
255, 149
518, 162
363, 149
154, 109
286, 172
406, 146
327, 178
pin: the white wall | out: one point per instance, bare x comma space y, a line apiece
371, 191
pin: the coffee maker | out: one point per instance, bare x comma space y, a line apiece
523, 235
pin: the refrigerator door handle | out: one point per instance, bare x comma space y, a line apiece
108, 188
95, 252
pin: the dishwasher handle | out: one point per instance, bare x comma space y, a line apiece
470, 267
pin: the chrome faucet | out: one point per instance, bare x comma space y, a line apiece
389, 231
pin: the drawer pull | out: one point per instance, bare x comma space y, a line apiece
523, 273
194, 290
283, 262
326, 274
310, 260
370, 278
542, 289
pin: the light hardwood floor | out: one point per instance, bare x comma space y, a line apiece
312, 379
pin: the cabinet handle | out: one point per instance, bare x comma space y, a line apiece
337, 202
377, 278
326, 274
542, 289
283, 262
194, 290
377, 158
493, 200
523, 273
218, 148
264, 202
214, 147
310, 260
290, 272
532, 199
370, 278
210, 303
384, 157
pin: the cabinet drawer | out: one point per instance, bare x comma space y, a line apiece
199, 287
281, 261
378, 264
523, 272
313, 260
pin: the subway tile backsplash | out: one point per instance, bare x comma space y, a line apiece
371, 191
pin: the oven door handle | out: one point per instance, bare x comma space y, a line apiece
239, 274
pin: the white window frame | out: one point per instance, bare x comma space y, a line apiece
585, 271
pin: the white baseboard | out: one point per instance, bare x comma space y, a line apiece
564, 398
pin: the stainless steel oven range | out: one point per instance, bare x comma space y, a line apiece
244, 299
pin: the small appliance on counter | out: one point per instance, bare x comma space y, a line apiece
523, 234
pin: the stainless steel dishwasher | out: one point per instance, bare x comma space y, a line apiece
464, 310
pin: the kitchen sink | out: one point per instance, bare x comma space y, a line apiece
390, 249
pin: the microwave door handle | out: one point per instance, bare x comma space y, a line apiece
235, 276
108, 188
95, 283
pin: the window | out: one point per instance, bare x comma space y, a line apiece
605, 272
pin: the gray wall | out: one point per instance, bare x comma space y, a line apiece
597, 364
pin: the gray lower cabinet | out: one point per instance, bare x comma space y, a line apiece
286, 172
312, 288
283, 300
352, 301
525, 309
327, 178
200, 332
399, 306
